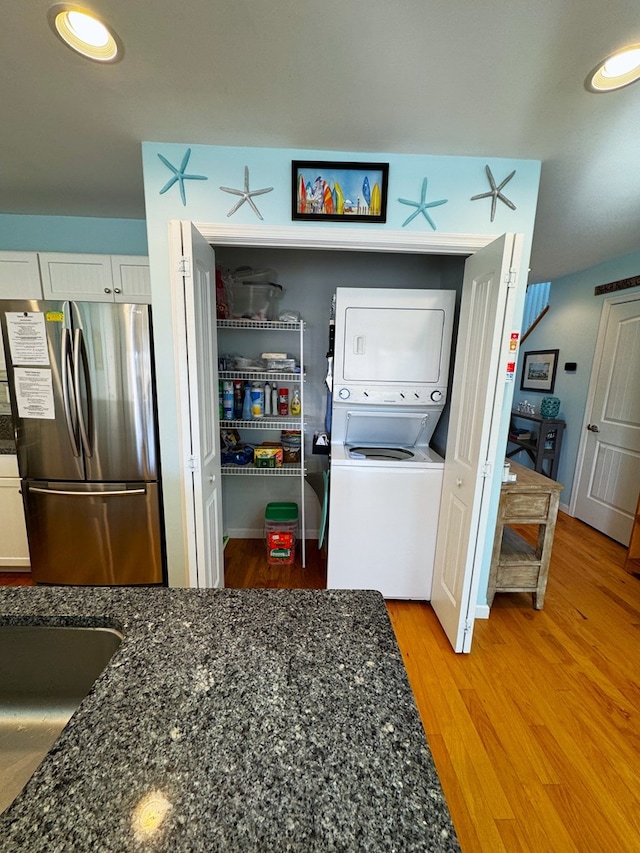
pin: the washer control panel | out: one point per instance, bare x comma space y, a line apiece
390, 395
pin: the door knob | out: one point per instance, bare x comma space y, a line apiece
458, 482
593, 427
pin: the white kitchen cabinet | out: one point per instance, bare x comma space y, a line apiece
19, 279
95, 278
131, 281
19, 276
14, 549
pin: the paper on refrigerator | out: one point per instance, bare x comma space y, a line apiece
27, 337
34, 392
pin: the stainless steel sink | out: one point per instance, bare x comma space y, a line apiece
45, 673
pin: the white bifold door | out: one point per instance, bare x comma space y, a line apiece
473, 439
193, 270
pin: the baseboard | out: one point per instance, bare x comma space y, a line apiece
482, 611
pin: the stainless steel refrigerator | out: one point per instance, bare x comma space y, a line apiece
83, 401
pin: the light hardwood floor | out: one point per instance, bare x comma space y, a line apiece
535, 733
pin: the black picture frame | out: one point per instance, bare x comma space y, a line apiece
539, 369
323, 190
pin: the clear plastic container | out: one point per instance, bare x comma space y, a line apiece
280, 532
255, 301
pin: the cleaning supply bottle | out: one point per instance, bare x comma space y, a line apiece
227, 400
246, 405
257, 399
267, 398
295, 407
237, 399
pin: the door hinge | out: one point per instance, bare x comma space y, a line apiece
193, 463
184, 266
468, 625
486, 470
512, 276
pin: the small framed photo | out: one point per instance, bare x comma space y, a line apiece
338, 191
539, 370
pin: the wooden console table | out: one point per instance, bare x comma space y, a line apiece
543, 444
517, 566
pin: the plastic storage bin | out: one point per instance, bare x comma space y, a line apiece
255, 301
281, 531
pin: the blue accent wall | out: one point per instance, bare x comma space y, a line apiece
571, 326
455, 179
85, 235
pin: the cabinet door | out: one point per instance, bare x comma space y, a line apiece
14, 550
19, 276
131, 281
19, 279
82, 277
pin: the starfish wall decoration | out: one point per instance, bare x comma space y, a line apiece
422, 206
246, 195
179, 176
495, 192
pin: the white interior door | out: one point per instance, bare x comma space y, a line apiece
486, 318
193, 265
609, 473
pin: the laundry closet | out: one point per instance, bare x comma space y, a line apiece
309, 280
461, 250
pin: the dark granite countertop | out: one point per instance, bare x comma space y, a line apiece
267, 720
7, 439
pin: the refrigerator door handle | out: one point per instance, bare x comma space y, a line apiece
106, 494
80, 358
66, 364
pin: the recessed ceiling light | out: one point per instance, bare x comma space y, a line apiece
83, 32
618, 70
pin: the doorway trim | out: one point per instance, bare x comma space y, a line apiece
349, 239
346, 239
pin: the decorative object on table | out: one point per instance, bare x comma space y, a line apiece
526, 408
550, 407
495, 192
180, 176
246, 195
422, 206
539, 370
338, 191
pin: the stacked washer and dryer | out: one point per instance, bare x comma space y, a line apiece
390, 377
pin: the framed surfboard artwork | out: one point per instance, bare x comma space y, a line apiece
339, 191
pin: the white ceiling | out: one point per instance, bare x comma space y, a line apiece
463, 77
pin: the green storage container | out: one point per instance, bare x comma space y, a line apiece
282, 511
280, 531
